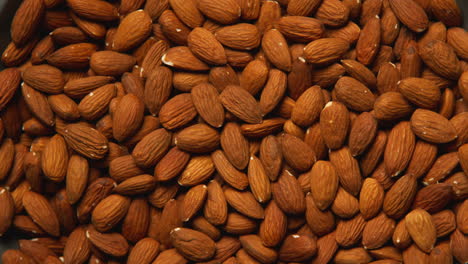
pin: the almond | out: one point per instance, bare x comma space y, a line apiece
411, 14
308, 107
205, 46
41, 212
207, 102
421, 228
441, 58
86, 140
325, 51
151, 148
224, 12
132, 31
241, 103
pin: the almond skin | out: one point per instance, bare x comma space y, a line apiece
242, 104
127, 37
323, 183
421, 228
192, 244
432, 127
128, 117
325, 51
411, 14
205, 46
41, 212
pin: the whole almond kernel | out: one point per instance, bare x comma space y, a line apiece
391, 106
254, 76
276, 49
300, 28
171, 165
371, 198
398, 199
323, 183
441, 168
55, 159
135, 223
7, 210
441, 58
113, 244
240, 36
258, 180
193, 201
432, 127
208, 105
325, 51
424, 93
378, 231
140, 184
297, 248
456, 37
171, 26
99, 10
76, 178
363, 132
447, 11
86, 140
38, 104
145, 251
421, 228
368, 43
302, 7
151, 148
252, 244
333, 13
271, 156
44, 78
334, 117
41, 212
359, 72
353, 254
399, 149
198, 138
192, 244
297, 153
288, 194
411, 14
242, 104
128, 117
111, 63
77, 248
273, 228
347, 169
109, 212
187, 11
244, 202
354, 94
235, 146
182, 58
198, 169
349, 232
132, 31
205, 46
215, 210
273, 91
345, 205
308, 107
239, 224
224, 12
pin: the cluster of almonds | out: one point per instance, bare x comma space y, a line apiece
235, 131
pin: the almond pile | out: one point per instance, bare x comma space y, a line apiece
235, 132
